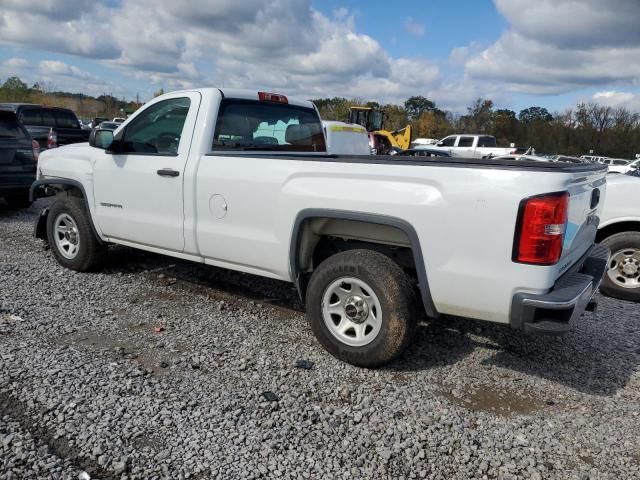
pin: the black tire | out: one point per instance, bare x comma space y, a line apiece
617, 243
19, 200
91, 252
396, 296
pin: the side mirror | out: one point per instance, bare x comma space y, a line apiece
440, 144
102, 139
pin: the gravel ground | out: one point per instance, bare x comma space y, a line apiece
157, 368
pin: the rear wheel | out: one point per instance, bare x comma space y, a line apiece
70, 236
361, 307
622, 279
19, 200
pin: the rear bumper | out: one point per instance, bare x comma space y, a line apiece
554, 312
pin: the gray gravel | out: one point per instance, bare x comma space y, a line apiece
156, 368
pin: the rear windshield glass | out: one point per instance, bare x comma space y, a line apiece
31, 116
9, 126
48, 119
65, 119
254, 125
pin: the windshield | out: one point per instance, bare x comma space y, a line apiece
256, 125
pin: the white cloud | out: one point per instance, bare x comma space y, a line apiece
612, 98
460, 55
414, 28
14, 67
283, 44
340, 13
15, 63
575, 24
67, 26
57, 68
555, 46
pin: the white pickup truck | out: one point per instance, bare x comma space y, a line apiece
620, 231
242, 180
469, 146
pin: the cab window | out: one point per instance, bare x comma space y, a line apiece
449, 141
486, 141
465, 142
158, 129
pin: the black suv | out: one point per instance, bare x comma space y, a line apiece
18, 160
49, 126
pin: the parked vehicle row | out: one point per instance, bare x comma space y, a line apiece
18, 159
615, 165
25, 131
49, 126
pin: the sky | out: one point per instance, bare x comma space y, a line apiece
519, 53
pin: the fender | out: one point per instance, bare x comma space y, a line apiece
406, 227
34, 194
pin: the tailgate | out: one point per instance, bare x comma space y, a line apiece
586, 199
67, 136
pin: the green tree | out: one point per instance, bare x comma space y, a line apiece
14, 83
336, 108
506, 127
432, 124
479, 117
417, 105
533, 114
395, 117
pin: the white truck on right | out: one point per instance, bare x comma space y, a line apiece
620, 231
470, 146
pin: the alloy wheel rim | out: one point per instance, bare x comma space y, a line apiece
624, 268
66, 236
352, 312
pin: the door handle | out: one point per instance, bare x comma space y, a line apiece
167, 172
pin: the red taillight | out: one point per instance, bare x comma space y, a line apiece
52, 139
542, 222
272, 97
35, 147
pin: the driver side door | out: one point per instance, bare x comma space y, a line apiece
139, 189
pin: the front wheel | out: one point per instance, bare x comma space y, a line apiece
361, 307
70, 236
622, 279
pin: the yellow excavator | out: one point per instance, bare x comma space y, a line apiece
383, 142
